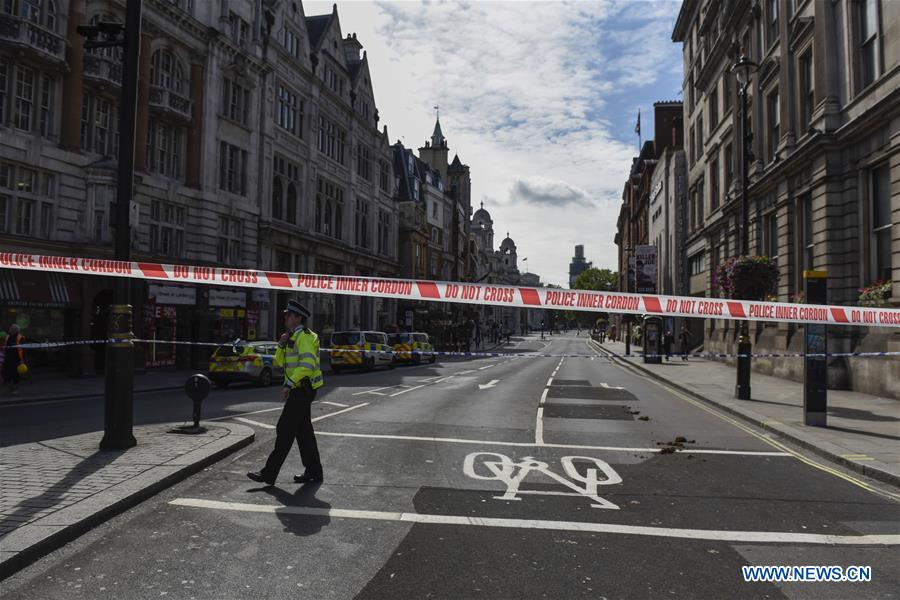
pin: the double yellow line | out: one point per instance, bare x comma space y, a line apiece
768, 440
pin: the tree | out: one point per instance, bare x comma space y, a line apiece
599, 280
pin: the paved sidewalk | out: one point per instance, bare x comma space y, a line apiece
863, 431
62, 387
53, 491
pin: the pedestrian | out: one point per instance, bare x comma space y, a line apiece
685, 338
299, 354
12, 358
668, 340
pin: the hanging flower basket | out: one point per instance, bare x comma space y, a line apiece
876, 294
747, 277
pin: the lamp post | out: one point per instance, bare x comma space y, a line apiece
743, 71
628, 252
119, 392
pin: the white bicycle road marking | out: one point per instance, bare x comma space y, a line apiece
504, 469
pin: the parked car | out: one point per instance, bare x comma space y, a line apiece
245, 361
364, 350
412, 347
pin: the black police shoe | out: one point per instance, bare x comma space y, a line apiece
308, 478
259, 477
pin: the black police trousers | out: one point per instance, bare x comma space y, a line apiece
295, 424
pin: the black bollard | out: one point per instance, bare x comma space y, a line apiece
197, 388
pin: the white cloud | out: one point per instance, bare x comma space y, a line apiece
524, 89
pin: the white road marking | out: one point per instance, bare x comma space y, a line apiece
486, 367
338, 412
415, 438
549, 382
443, 379
544, 396
252, 412
610, 387
761, 537
407, 390
254, 423
338, 404
539, 427
429, 379
465, 372
374, 391
492, 383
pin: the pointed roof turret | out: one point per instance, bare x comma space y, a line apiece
456, 165
437, 138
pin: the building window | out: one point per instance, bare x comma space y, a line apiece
808, 253
771, 229
881, 222
333, 80
101, 216
385, 176
693, 142
24, 216
772, 105
363, 162
240, 30
700, 136
25, 84
27, 207
46, 220
289, 115
167, 72
232, 168
331, 140
807, 90
726, 90
46, 108
701, 200
869, 66
291, 42
384, 232
99, 125
166, 229
229, 246
418, 258
277, 199
4, 86
714, 184
714, 109
236, 102
287, 179
165, 148
771, 22
696, 264
362, 223
729, 167
329, 209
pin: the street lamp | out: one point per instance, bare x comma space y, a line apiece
743, 70
628, 251
119, 390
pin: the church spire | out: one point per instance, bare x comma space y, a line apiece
437, 138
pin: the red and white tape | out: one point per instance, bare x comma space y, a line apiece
464, 293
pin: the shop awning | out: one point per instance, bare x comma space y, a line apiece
37, 289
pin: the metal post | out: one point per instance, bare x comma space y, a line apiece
119, 398
815, 368
742, 387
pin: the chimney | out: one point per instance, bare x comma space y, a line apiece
351, 48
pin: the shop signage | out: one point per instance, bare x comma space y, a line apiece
172, 294
228, 298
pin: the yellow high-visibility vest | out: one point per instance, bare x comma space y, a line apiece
300, 358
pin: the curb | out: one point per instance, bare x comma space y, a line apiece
99, 394
786, 432
129, 495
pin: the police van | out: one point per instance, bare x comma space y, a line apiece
412, 347
245, 361
360, 350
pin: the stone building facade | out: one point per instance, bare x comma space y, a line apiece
824, 176
257, 145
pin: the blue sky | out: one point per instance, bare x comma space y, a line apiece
538, 98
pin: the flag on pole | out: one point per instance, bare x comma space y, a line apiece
637, 127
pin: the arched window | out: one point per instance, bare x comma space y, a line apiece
277, 194
291, 216
326, 226
166, 71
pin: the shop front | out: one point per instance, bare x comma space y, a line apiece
46, 308
228, 315
166, 318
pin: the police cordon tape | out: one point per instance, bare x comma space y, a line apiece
463, 293
237, 343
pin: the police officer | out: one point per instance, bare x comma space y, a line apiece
299, 354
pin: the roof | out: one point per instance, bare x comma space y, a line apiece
316, 26
438, 134
456, 165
